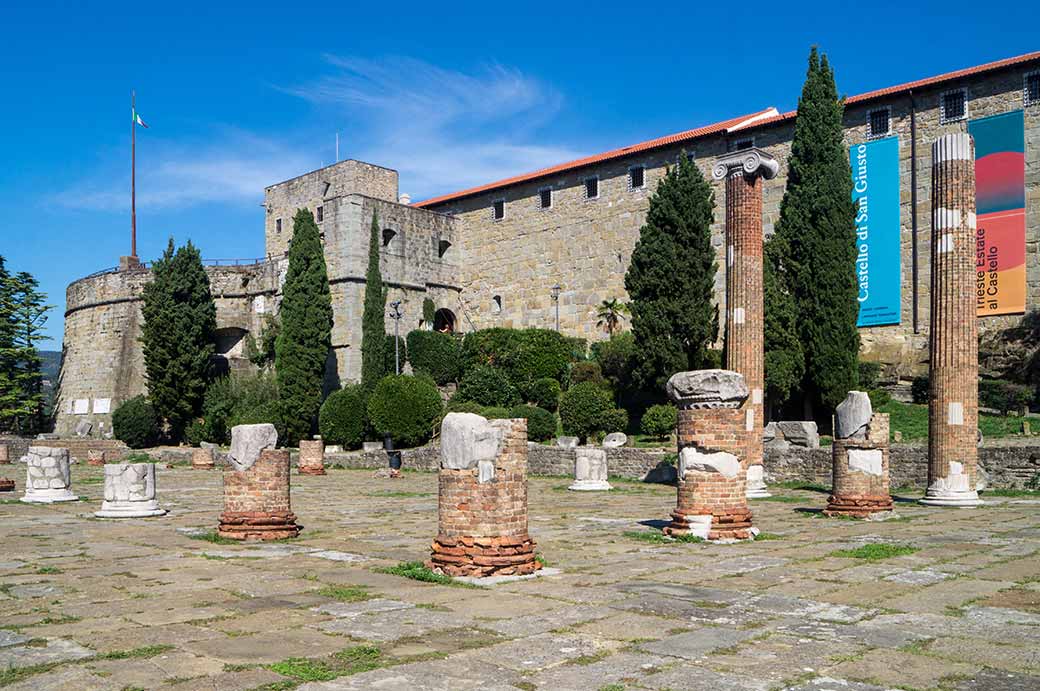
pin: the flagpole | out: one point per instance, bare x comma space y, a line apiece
133, 174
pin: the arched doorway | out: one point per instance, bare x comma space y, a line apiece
444, 321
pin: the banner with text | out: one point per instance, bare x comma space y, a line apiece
875, 191
1000, 200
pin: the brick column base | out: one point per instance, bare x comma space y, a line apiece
861, 473
312, 457
476, 556
6, 484
256, 501
202, 459
5, 455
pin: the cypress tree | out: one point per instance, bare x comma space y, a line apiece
784, 358
818, 230
180, 319
8, 359
671, 278
373, 319
305, 335
29, 314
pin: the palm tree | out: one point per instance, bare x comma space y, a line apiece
610, 314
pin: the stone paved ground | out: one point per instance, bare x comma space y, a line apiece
90, 604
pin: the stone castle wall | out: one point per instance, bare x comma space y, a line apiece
585, 245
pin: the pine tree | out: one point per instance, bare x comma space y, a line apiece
180, 319
784, 357
818, 229
671, 278
305, 335
29, 314
373, 319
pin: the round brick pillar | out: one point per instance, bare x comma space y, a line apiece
482, 505
745, 312
712, 432
860, 474
953, 337
256, 500
312, 457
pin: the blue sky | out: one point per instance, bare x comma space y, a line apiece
241, 95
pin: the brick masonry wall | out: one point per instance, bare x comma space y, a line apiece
710, 430
264, 488
854, 483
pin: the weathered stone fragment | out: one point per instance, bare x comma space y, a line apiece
852, 415
800, 433
47, 475
129, 491
590, 470
711, 388
248, 441
615, 440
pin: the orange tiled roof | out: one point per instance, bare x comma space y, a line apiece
744, 122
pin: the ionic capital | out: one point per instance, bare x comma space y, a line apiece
746, 162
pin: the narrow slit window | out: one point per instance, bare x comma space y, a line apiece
592, 188
321, 214
636, 177
496, 304
498, 210
545, 198
278, 225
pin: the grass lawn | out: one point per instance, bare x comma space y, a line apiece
912, 420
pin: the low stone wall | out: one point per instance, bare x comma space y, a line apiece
77, 446
1008, 466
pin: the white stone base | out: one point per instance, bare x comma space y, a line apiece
965, 499
590, 486
130, 509
495, 580
48, 496
756, 483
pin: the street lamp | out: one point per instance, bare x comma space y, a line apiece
555, 294
395, 314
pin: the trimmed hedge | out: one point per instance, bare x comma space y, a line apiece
496, 412
588, 371
488, 386
457, 405
405, 407
436, 354
524, 355
545, 393
343, 417
659, 421
135, 423
586, 409
541, 424
388, 353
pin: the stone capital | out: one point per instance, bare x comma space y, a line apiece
745, 162
711, 388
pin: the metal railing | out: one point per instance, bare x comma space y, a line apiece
206, 262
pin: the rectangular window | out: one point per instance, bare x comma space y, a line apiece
278, 225
1032, 89
545, 198
879, 122
636, 177
592, 188
498, 210
953, 106
321, 214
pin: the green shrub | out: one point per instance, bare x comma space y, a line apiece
541, 424
919, 389
495, 412
545, 393
586, 408
878, 398
523, 355
659, 421
457, 405
232, 396
269, 412
488, 386
388, 354
616, 358
436, 354
1004, 396
135, 423
616, 420
405, 407
343, 417
196, 432
588, 371
712, 359
868, 375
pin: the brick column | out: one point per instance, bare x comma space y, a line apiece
712, 430
745, 313
256, 487
202, 458
953, 337
860, 456
312, 457
5, 454
482, 506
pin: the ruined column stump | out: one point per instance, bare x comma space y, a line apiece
130, 491
202, 458
953, 401
48, 478
590, 470
95, 457
5, 455
256, 487
745, 312
712, 431
312, 457
482, 505
6, 484
860, 457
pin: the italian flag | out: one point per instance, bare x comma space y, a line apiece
137, 119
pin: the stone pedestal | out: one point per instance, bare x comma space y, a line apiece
713, 427
47, 473
590, 470
95, 457
256, 487
954, 362
312, 457
745, 313
860, 457
130, 491
482, 506
202, 458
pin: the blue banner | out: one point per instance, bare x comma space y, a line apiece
875, 191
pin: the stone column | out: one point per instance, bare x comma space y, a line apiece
860, 456
48, 477
312, 457
130, 491
256, 487
482, 505
713, 428
953, 338
745, 312
590, 470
